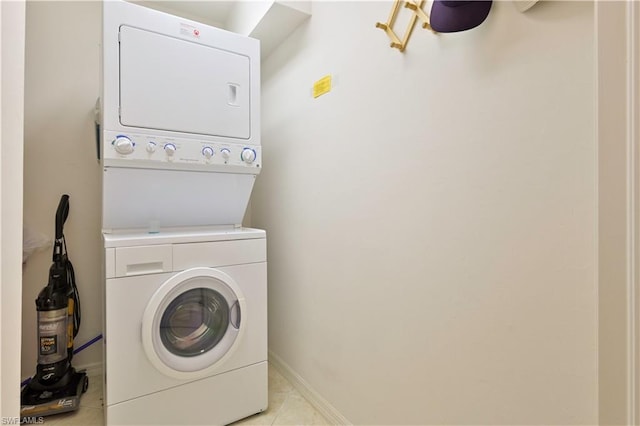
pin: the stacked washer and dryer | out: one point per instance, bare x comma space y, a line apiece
185, 296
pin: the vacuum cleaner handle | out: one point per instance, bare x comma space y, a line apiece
61, 215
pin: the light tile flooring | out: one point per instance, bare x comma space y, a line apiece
286, 407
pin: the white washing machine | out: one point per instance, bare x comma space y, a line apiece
185, 326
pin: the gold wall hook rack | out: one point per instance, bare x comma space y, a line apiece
416, 7
417, 13
395, 41
388, 27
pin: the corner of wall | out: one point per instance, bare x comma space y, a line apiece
617, 213
12, 39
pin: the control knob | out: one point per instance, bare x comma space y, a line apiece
248, 155
225, 153
207, 151
123, 145
151, 147
170, 149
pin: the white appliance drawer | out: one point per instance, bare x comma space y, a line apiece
143, 260
219, 253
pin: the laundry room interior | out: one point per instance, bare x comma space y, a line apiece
447, 215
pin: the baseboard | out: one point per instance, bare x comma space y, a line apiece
319, 403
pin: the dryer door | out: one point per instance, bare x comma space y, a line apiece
193, 323
168, 83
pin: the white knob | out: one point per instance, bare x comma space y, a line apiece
151, 147
225, 153
248, 155
207, 151
123, 145
170, 149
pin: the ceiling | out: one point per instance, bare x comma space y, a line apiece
215, 13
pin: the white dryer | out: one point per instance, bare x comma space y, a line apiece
185, 327
180, 116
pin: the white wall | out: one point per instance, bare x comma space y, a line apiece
12, 37
245, 15
635, 105
432, 221
612, 216
61, 88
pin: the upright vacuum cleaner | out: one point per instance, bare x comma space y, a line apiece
57, 386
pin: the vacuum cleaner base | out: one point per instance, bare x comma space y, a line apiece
40, 403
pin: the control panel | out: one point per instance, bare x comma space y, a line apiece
139, 150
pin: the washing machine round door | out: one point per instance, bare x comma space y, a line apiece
193, 323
